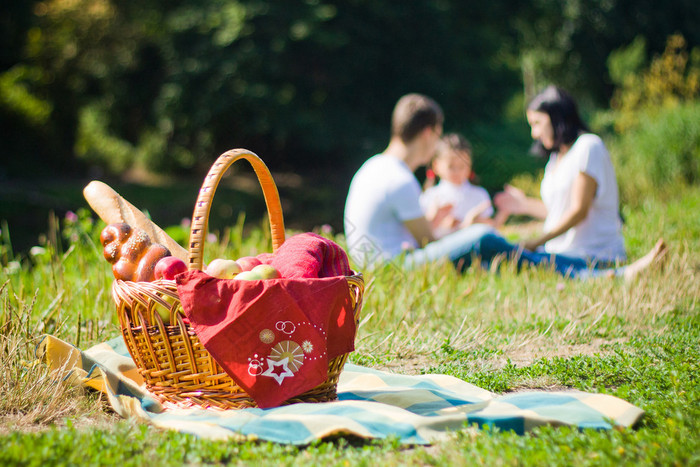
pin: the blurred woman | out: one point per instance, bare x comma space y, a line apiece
580, 204
582, 232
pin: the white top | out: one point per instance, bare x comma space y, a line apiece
599, 235
383, 194
462, 197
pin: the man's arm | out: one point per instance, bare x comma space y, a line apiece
420, 229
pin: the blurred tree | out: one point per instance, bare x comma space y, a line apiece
568, 42
71, 47
656, 114
166, 85
671, 79
15, 19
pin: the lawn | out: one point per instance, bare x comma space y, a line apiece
502, 331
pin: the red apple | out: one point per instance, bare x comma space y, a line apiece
265, 258
248, 262
169, 267
266, 271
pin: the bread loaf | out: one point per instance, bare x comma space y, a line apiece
130, 251
114, 209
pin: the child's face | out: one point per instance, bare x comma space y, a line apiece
453, 166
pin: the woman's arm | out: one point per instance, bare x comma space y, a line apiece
514, 201
582, 195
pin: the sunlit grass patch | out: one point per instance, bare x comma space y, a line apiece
501, 330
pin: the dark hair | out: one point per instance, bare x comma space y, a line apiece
563, 113
412, 114
457, 143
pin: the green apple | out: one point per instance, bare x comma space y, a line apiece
266, 271
223, 268
163, 311
164, 314
248, 276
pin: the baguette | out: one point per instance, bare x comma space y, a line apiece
113, 209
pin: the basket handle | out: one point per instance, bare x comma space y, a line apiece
200, 216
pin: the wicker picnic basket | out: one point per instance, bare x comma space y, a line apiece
174, 364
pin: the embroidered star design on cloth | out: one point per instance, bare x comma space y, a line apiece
307, 346
282, 364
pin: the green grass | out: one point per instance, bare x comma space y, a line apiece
501, 331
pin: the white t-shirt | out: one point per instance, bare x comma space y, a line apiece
462, 197
599, 235
383, 194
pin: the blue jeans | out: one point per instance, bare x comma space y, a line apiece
480, 241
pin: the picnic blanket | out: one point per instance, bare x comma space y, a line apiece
416, 409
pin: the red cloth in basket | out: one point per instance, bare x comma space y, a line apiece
310, 255
275, 337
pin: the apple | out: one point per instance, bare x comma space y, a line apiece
265, 258
169, 267
248, 276
223, 268
248, 262
164, 311
266, 271
164, 314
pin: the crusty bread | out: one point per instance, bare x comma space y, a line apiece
131, 252
112, 209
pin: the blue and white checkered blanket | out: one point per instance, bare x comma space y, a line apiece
372, 404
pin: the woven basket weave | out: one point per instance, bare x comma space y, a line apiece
174, 364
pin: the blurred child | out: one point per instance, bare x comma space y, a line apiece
470, 204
